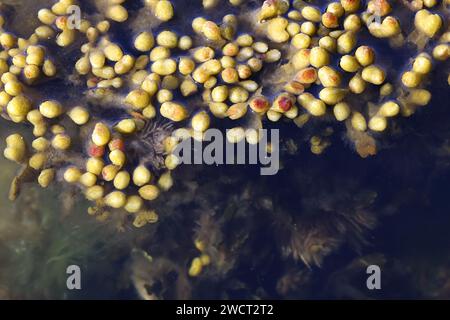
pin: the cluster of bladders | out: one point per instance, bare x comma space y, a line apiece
216, 67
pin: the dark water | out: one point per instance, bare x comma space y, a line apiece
410, 176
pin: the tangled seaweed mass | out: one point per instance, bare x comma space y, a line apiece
109, 89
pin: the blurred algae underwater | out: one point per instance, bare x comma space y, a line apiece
308, 232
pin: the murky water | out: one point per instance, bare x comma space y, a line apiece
405, 188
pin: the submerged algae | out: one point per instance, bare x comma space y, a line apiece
325, 223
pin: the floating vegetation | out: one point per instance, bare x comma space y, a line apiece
106, 91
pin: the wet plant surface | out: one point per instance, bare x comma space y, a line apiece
308, 232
